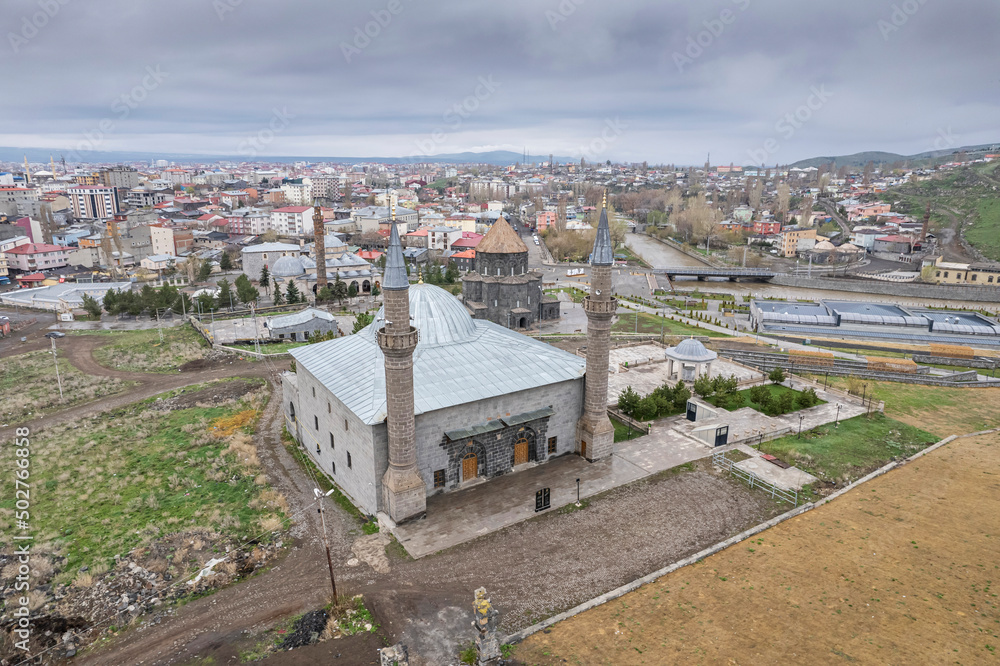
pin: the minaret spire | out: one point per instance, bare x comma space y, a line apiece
595, 433
404, 493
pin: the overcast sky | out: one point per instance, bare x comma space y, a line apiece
633, 80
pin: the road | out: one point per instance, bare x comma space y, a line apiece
659, 255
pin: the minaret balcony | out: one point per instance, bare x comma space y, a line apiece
397, 341
592, 306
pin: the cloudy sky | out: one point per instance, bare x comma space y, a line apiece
664, 81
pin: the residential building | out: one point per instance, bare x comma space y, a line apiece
441, 238
248, 222
766, 227
894, 244
122, 177
159, 262
292, 220
297, 194
36, 257
18, 200
796, 239
94, 202
544, 220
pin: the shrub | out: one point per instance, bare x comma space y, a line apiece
776, 376
628, 400
808, 398
786, 403
681, 394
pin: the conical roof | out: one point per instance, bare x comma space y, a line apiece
395, 265
603, 253
501, 239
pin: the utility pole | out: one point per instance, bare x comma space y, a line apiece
329, 561
158, 327
54, 360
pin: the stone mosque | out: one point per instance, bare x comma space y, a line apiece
429, 398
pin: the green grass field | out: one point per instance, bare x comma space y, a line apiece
28, 386
984, 234
142, 351
138, 475
576, 294
651, 324
851, 450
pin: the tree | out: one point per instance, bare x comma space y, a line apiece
352, 290
646, 409
776, 376
292, 296
807, 398
265, 278
760, 395
361, 320
92, 307
681, 395
324, 294
278, 297
112, 301
245, 291
451, 274
182, 304
226, 262
628, 400
206, 302
269, 236
204, 271
784, 195
224, 298
147, 299
786, 402
375, 290
703, 386
339, 290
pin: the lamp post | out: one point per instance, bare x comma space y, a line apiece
800, 425
329, 561
578, 492
837, 423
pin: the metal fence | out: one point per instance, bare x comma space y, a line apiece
720, 460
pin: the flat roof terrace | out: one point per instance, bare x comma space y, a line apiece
790, 307
963, 318
861, 308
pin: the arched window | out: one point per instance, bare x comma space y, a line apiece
291, 409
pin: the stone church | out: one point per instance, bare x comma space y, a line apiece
501, 289
428, 399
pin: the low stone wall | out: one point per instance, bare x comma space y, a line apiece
628, 420
911, 290
978, 362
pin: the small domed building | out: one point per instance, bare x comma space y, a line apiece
689, 360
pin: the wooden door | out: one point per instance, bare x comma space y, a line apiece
470, 467
583, 448
521, 451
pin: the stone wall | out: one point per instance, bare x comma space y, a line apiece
433, 450
911, 290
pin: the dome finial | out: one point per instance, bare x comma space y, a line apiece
604, 201
420, 278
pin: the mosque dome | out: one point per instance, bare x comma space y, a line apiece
824, 246
692, 351
288, 267
440, 317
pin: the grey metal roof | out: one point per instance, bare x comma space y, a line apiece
457, 360
603, 253
691, 350
300, 317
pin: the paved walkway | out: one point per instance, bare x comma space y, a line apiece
457, 517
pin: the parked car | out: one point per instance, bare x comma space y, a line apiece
55, 334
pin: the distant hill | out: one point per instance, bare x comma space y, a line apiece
879, 157
494, 157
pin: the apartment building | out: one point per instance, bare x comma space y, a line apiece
93, 202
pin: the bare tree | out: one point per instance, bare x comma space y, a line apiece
756, 192
784, 195
806, 208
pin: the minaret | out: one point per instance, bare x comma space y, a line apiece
594, 430
926, 226
319, 247
404, 495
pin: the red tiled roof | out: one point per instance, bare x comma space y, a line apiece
418, 232
32, 277
465, 254
36, 248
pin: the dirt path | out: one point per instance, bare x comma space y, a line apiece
79, 350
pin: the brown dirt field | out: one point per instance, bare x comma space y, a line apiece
901, 570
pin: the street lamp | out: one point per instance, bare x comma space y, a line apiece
329, 561
837, 423
578, 492
800, 425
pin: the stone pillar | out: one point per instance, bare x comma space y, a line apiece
319, 248
595, 428
487, 639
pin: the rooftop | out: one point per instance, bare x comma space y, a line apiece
501, 239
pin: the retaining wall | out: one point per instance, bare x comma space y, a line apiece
911, 290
